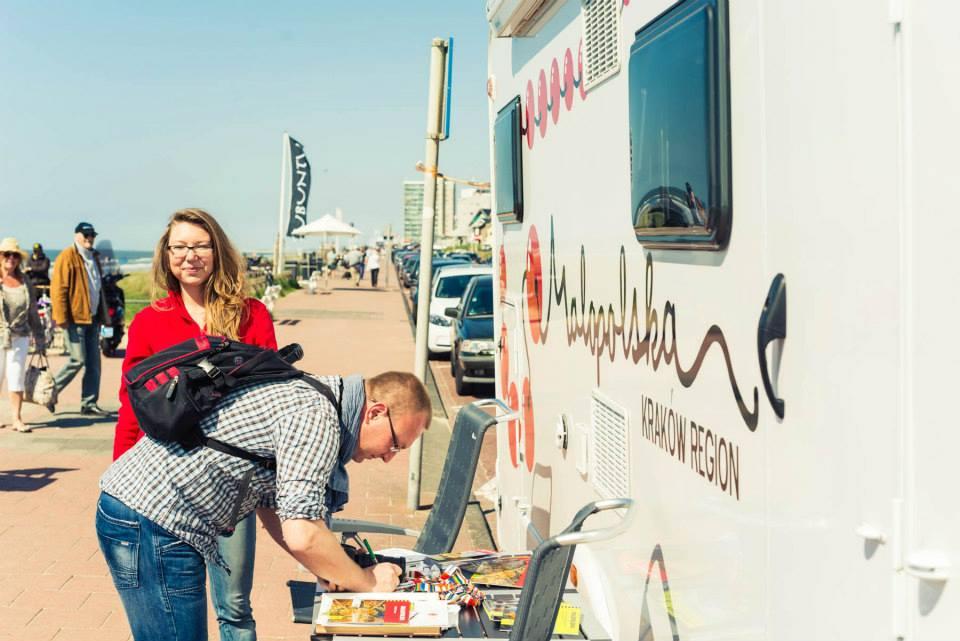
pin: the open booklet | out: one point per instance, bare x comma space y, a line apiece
382, 613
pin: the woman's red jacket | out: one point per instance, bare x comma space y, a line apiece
165, 324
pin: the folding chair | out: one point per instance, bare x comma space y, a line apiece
456, 481
549, 567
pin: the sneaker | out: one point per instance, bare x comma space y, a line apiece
22, 427
94, 410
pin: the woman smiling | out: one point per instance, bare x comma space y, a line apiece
201, 279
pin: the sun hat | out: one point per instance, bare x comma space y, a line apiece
9, 244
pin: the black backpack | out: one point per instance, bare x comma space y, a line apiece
171, 391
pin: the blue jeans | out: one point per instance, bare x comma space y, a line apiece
230, 593
83, 344
161, 579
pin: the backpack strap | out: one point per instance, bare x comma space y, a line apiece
267, 462
326, 392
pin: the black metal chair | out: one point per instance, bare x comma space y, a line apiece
456, 482
549, 567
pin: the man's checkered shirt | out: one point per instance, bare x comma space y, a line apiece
192, 493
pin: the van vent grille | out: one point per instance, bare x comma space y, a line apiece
601, 39
611, 463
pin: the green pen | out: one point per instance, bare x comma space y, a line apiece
370, 550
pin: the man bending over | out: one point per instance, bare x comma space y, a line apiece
162, 507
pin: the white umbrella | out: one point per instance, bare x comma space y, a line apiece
326, 225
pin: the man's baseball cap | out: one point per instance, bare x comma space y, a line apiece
85, 228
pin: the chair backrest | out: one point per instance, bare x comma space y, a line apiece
440, 531
547, 573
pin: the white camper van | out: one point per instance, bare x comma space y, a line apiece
723, 253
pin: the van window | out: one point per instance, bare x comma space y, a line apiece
680, 128
507, 174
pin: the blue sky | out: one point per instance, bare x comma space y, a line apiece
120, 114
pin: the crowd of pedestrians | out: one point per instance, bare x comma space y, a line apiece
76, 306
358, 262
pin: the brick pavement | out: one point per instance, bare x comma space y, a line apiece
53, 582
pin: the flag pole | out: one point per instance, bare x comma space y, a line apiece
281, 232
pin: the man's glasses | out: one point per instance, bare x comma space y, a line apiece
393, 434
90, 236
180, 251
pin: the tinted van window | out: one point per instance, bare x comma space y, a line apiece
679, 128
508, 177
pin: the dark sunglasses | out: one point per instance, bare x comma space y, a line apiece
11, 254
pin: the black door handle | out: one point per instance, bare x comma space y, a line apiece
773, 325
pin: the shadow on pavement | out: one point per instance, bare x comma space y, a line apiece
69, 422
29, 480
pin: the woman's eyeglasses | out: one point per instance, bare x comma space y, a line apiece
11, 254
180, 251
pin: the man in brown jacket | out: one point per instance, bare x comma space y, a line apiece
79, 309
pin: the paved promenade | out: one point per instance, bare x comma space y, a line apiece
53, 581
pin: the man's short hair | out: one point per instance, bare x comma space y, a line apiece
402, 392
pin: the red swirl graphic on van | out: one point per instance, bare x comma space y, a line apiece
534, 283
548, 100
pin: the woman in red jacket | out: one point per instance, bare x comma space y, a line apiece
203, 278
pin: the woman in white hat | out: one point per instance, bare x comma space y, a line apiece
18, 319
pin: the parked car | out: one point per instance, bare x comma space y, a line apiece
436, 264
449, 283
473, 348
472, 257
407, 266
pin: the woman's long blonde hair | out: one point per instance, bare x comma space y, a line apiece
224, 291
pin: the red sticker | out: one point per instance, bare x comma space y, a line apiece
150, 385
172, 371
162, 378
396, 612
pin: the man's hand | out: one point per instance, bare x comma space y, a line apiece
386, 576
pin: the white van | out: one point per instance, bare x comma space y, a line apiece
448, 286
724, 262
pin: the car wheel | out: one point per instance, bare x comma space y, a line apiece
462, 388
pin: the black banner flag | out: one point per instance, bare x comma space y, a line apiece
299, 186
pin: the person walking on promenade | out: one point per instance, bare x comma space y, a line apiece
161, 507
18, 319
203, 278
80, 310
373, 265
354, 261
38, 267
